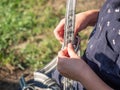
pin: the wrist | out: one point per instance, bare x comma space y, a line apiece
87, 77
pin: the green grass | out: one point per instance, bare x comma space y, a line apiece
20, 21
26, 31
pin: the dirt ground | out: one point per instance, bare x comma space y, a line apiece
10, 81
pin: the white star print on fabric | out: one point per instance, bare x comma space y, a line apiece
119, 32
113, 29
109, 11
108, 23
113, 42
91, 46
117, 10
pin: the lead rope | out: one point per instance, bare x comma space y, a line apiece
69, 36
68, 33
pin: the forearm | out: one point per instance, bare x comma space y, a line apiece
90, 80
85, 19
92, 17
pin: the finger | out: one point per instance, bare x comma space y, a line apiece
65, 50
59, 31
71, 51
61, 54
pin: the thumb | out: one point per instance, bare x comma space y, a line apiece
71, 51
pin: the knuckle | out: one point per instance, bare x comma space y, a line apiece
62, 20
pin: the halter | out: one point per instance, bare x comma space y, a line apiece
69, 35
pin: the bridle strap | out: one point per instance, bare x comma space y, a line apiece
69, 35
69, 22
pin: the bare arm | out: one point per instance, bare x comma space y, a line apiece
72, 66
84, 19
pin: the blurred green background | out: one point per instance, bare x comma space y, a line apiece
26, 31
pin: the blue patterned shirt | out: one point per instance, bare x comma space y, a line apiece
103, 50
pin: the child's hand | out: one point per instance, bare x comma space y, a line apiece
68, 62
